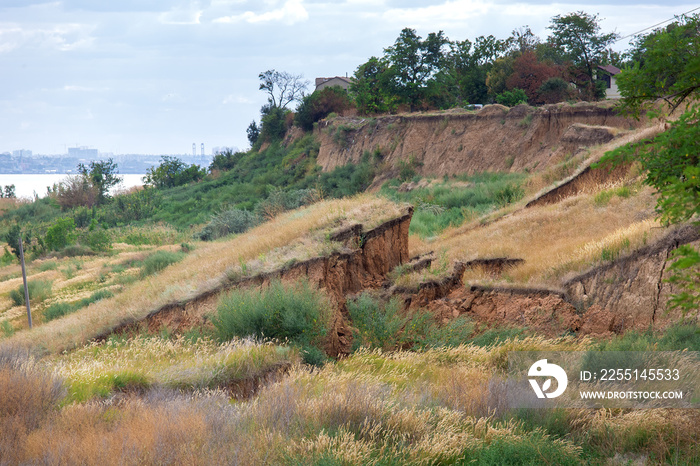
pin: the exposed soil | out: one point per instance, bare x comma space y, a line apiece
493, 139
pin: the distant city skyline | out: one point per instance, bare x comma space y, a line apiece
152, 77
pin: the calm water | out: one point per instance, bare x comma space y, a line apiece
27, 185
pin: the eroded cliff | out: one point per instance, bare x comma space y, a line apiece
495, 138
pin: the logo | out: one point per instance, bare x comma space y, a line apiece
542, 368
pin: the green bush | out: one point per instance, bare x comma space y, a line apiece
99, 240
158, 261
512, 98
384, 325
297, 313
60, 234
76, 250
57, 310
228, 222
39, 290
376, 325
61, 309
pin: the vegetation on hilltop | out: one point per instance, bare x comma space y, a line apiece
668, 70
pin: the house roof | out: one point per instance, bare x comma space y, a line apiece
613, 70
320, 81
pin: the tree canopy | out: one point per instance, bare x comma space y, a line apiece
668, 72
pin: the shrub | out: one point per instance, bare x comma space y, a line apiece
226, 223
512, 98
159, 261
375, 325
321, 104
57, 310
173, 172
75, 191
99, 240
281, 201
76, 250
29, 395
297, 313
60, 234
39, 290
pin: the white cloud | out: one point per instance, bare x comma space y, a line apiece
62, 37
76, 88
438, 16
292, 12
181, 17
236, 99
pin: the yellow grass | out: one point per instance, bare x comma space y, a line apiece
206, 267
553, 239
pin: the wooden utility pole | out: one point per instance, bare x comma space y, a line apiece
24, 278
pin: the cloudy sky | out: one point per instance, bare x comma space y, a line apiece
154, 76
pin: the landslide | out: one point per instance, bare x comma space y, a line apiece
495, 138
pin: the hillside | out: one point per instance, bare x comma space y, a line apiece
494, 138
407, 300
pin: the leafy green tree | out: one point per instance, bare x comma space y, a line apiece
471, 63
371, 87
60, 234
253, 133
512, 98
414, 62
102, 175
669, 71
172, 172
578, 38
226, 160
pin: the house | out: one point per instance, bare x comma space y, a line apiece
608, 74
341, 81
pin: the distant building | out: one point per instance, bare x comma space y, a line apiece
341, 81
82, 152
221, 149
21, 153
608, 74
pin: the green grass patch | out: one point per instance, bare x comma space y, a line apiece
39, 290
297, 313
447, 204
61, 309
158, 261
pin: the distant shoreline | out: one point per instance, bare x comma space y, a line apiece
28, 184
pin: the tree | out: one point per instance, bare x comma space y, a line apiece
529, 74
320, 104
226, 160
669, 72
60, 234
102, 175
282, 88
512, 98
253, 133
370, 89
471, 63
666, 68
578, 37
413, 62
172, 172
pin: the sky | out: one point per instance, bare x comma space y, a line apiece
155, 76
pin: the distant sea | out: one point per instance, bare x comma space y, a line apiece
27, 185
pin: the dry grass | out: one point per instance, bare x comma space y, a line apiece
553, 239
156, 362
207, 265
439, 406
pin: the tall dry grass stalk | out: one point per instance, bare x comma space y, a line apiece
206, 267
553, 239
439, 406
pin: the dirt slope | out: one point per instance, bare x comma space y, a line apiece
495, 138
